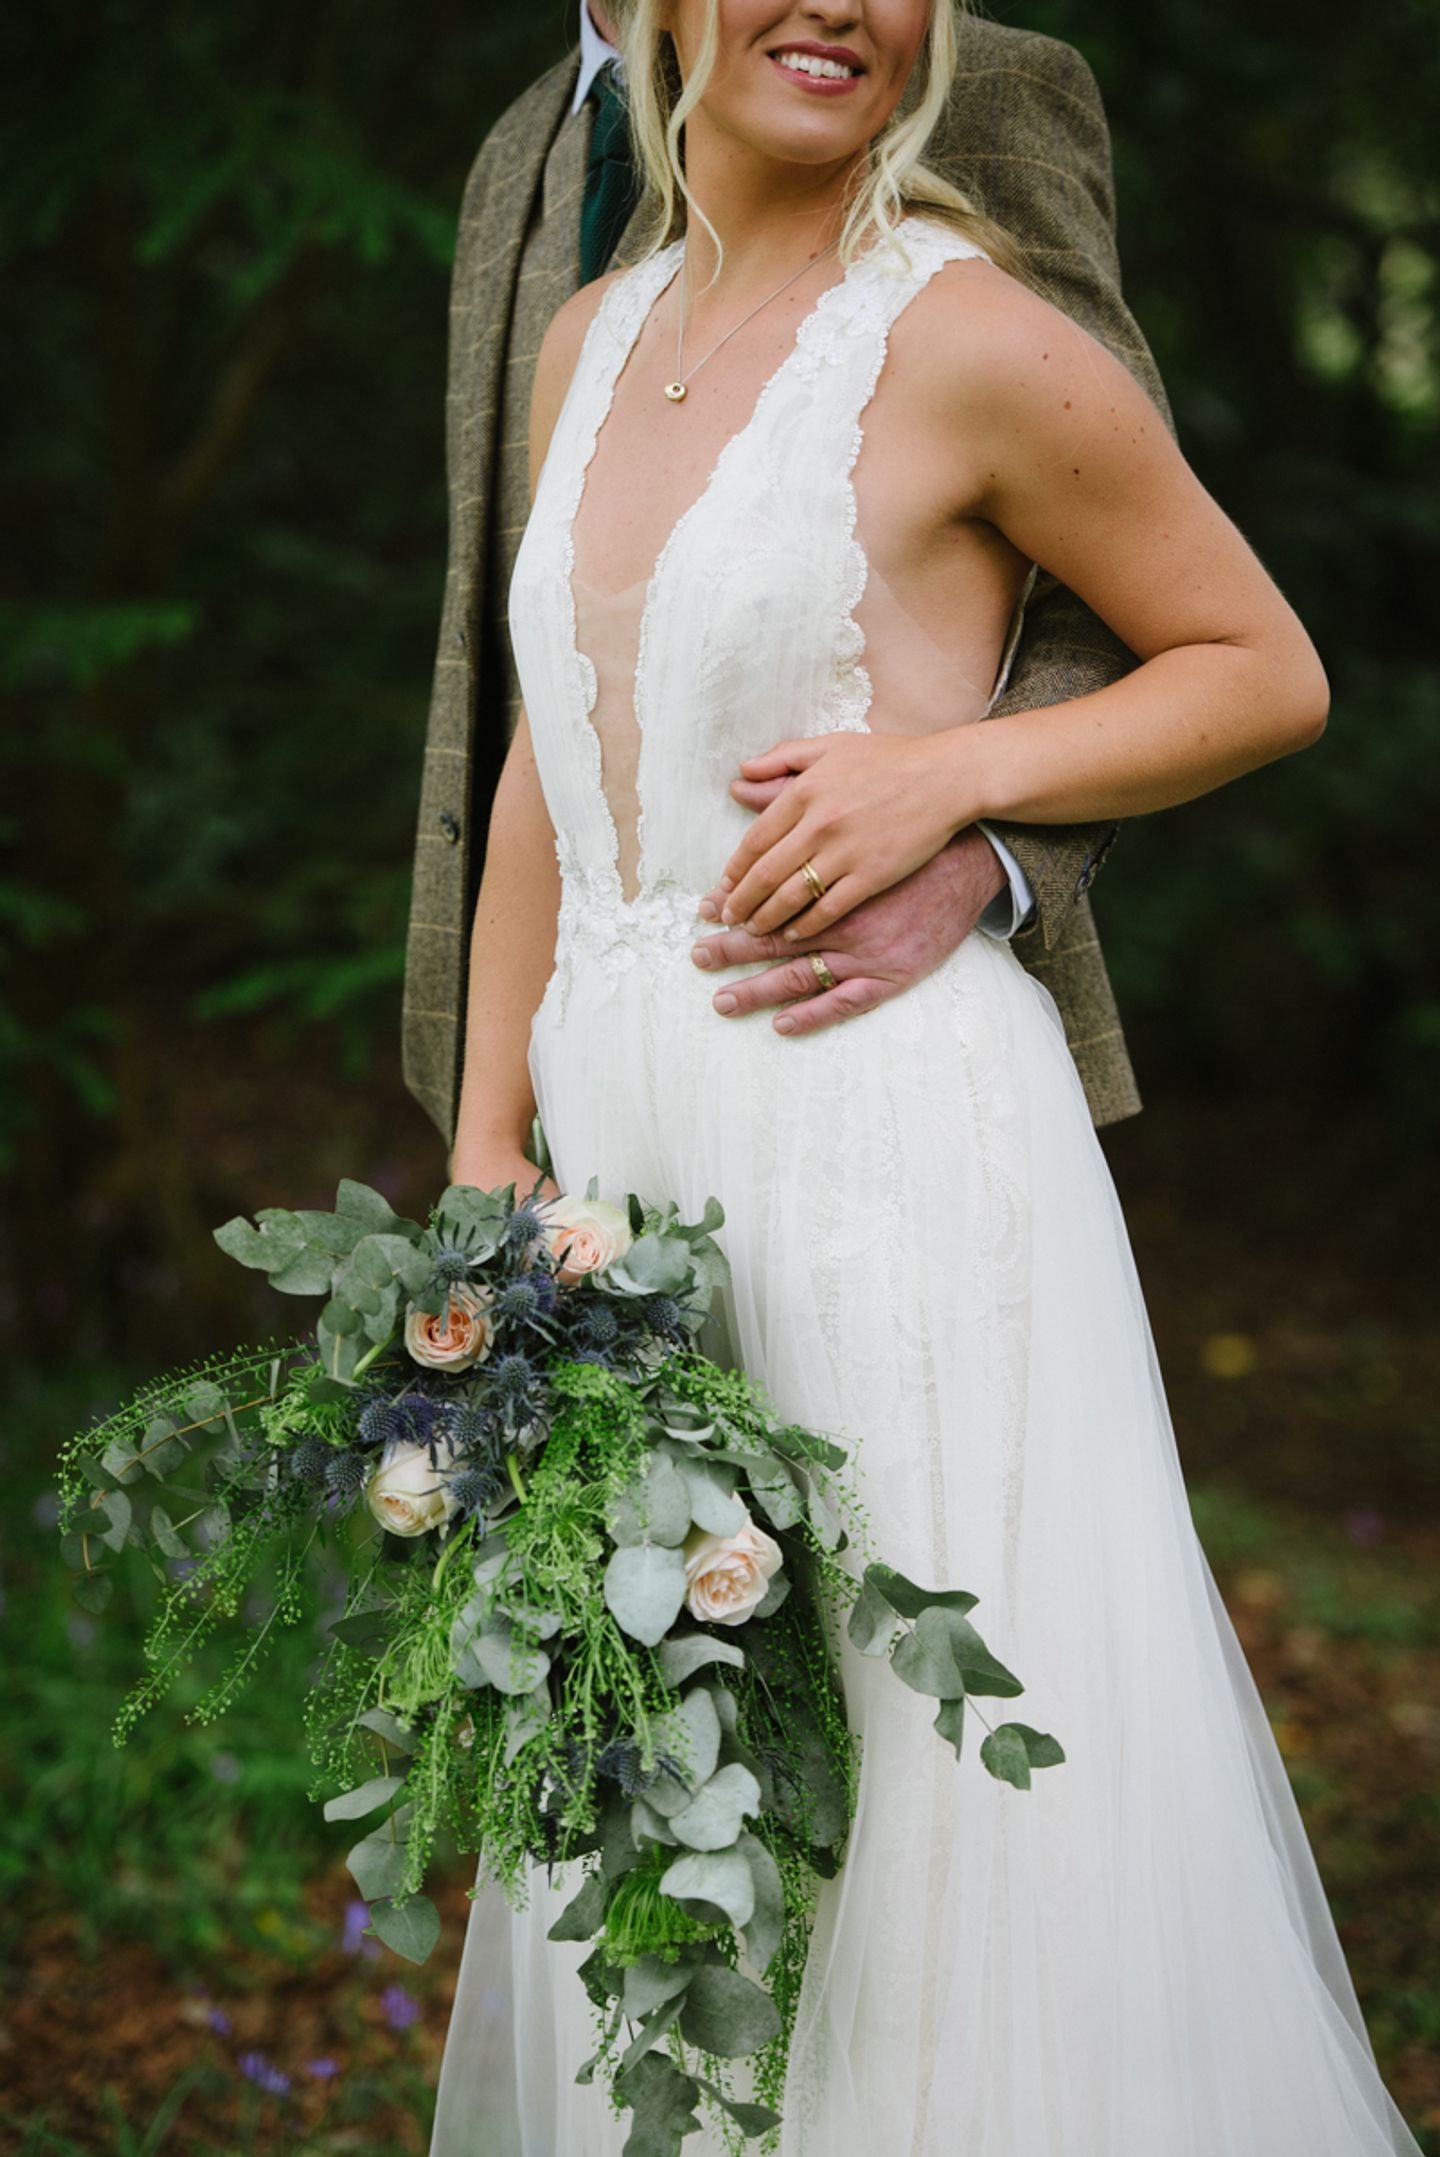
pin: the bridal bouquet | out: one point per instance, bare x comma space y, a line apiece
593, 1582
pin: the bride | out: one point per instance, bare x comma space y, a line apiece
792, 475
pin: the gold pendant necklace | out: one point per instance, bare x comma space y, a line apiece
676, 390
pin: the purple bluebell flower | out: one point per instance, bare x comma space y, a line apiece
322, 2070
263, 2073
354, 1940
401, 2008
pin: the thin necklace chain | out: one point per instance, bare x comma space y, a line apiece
675, 390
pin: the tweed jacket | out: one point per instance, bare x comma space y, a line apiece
1026, 136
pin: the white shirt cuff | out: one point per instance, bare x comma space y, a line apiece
1010, 909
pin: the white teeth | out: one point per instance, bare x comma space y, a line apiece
809, 63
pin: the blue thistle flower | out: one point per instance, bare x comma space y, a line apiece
381, 1422
418, 1417
546, 1287
524, 1226
310, 1459
473, 1489
345, 1473
662, 1314
598, 1323
469, 1426
451, 1263
513, 1376
518, 1299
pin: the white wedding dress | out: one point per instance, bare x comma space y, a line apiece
1135, 1958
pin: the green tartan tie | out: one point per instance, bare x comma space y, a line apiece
612, 188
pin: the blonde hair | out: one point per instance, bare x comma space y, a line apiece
892, 180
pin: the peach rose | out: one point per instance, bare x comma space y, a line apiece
456, 1337
585, 1235
729, 1574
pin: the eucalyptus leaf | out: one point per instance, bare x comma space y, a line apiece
410, 1928
647, 1826
161, 1450
644, 1588
683, 1655
651, 1981
115, 1505
510, 1662
1012, 1750
924, 1658
584, 1914
726, 2014
711, 1491
721, 1877
363, 1629
873, 1623
690, 1735
205, 1402
359, 1203
950, 1723
162, 1531
650, 2034
93, 1590
119, 1461
754, 2119
366, 1797
663, 2101
472, 1219
712, 1819
766, 1923
389, 1727
778, 1492
657, 1508
776, 1591
903, 1595
525, 1718
945, 1656
377, 1864
654, 1265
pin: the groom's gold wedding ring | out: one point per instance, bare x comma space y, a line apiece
811, 876
822, 972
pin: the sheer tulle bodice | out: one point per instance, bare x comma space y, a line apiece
1135, 1958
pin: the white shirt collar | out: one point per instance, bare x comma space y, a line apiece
595, 50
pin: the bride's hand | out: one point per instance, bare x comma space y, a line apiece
864, 809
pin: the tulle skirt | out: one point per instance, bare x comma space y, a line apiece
1134, 1958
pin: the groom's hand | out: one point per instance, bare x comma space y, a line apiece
875, 951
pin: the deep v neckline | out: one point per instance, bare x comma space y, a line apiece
671, 260
673, 257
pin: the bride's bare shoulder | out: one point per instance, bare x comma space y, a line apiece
555, 361
979, 344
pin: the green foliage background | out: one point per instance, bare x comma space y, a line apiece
231, 230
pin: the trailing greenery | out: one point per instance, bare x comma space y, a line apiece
594, 1620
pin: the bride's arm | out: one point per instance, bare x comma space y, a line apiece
512, 948
512, 938
1078, 471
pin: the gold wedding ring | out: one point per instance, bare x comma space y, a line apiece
808, 871
822, 972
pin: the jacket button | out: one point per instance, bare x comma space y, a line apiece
450, 825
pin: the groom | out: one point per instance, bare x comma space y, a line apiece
550, 203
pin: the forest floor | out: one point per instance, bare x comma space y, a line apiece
181, 1969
